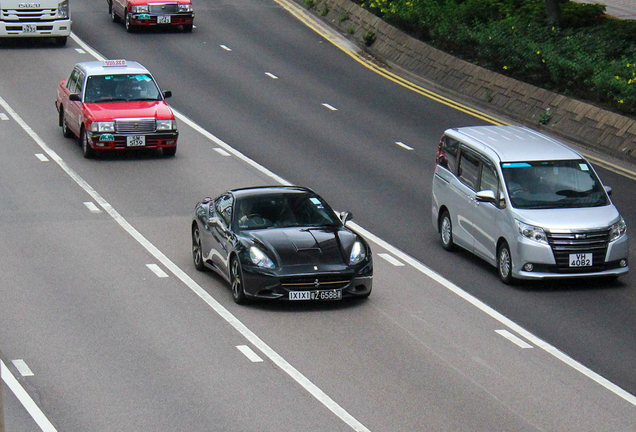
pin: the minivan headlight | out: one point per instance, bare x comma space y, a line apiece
358, 253
259, 258
618, 230
532, 232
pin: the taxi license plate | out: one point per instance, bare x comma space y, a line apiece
316, 295
29, 28
163, 19
135, 141
581, 260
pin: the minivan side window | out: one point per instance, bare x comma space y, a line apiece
447, 153
488, 179
468, 171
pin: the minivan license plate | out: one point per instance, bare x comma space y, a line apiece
316, 295
581, 260
135, 141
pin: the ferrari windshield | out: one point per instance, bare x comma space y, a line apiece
553, 184
283, 210
121, 88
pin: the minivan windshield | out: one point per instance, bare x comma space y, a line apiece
553, 184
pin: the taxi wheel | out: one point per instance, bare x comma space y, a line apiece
89, 152
169, 151
113, 15
236, 278
65, 130
187, 28
129, 27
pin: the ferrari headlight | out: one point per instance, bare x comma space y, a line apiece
618, 230
185, 8
103, 126
166, 125
532, 232
260, 259
358, 253
140, 9
62, 9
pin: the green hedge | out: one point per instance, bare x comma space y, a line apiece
588, 55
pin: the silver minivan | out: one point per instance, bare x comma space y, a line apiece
527, 204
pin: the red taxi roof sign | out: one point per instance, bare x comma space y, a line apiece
107, 63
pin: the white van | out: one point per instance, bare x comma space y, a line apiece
42, 18
527, 204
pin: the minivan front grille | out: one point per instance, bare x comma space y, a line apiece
135, 126
564, 244
163, 8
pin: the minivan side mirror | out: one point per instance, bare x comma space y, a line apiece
486, 196
608, 189
346, 216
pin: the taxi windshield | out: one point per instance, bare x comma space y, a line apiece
553, 184
121, 88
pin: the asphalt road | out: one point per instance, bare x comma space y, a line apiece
116, 348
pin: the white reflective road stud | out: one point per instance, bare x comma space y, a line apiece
226, 48
271, 75
401, 144
326, 105
3, 116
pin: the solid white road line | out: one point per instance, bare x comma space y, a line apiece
401, 144
514, 339
24, 398
249, 353
157, 270
271, 75
326, 105
391, 259
225, 48
92, 207
221, 152
22, 367
41, 157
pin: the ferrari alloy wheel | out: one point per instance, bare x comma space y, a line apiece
504, 263
446, 231
238, 291
197, 254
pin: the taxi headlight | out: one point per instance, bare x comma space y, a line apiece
532, 232
358, 253
140, 9
618, 230
166, 125
103, 126
259, 258
62, 9
185, 8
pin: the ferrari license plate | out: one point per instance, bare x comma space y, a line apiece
163, 19
316, 295
135, 141
581, 260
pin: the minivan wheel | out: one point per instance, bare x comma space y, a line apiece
446, 231
504, 264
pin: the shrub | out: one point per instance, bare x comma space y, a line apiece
310, 4
368, 38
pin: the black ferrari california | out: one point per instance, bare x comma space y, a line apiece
280, 242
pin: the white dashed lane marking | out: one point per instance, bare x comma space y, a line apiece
249, 353
92, 207
514, 339
226, 48
326, 105
79, 50
41, 157
22, 367
3, 116
401, 144
391, 259
221, 151
157, 270
271, 75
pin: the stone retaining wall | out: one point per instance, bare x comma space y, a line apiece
570, 119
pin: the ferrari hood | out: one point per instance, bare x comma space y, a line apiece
294, 246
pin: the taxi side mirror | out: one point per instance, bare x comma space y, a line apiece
167, 94
75, 97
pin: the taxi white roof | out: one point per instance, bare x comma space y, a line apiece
98, 68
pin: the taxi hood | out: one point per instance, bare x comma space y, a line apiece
108, 111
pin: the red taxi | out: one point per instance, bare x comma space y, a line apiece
136, 13
115, 105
